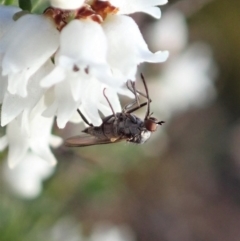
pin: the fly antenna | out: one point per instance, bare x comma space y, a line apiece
147, 95
109, 102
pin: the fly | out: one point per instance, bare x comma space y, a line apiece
121, 126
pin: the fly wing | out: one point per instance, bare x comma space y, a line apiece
88, 140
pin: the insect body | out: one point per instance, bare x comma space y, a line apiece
119, 126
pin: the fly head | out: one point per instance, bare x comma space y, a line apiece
151, 123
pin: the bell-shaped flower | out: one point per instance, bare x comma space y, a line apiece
6, 22
83, 50
146, 6
123, 31
28, 44
6, 17
14, 105
80, 73
25, 180
170, 33
69, 4
82, 92
78, 55
20, 142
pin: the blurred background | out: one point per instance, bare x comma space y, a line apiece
184, 183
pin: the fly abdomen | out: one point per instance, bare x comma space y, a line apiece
95, 131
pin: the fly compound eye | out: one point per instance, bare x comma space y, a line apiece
151, 124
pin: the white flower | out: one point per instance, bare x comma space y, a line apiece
170, 33
90, 101
68, 229
64, 229
187, 79
66, 58
37, 141
89, 52
26, 179
6, 18
123, 31
146, 6
28, 44
6, 22
78, 55
67, 4
14, 105
109, 232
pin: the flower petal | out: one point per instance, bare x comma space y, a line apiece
40, 136
153, 11
6, 17
37, 139
123, 31
22, 52
90, 100
84, 40
42, 150
18, 144
3, 142
13, 105
55, 141
25, 180
3, 87
128, 7
55, 76
63, 105
70, 4
170, 33
22, 59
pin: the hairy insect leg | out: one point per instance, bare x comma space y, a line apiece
109, 102
147, 96
84, 118
138, 107
133, 89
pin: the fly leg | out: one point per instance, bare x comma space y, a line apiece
131, 86
84, 118
114, 114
